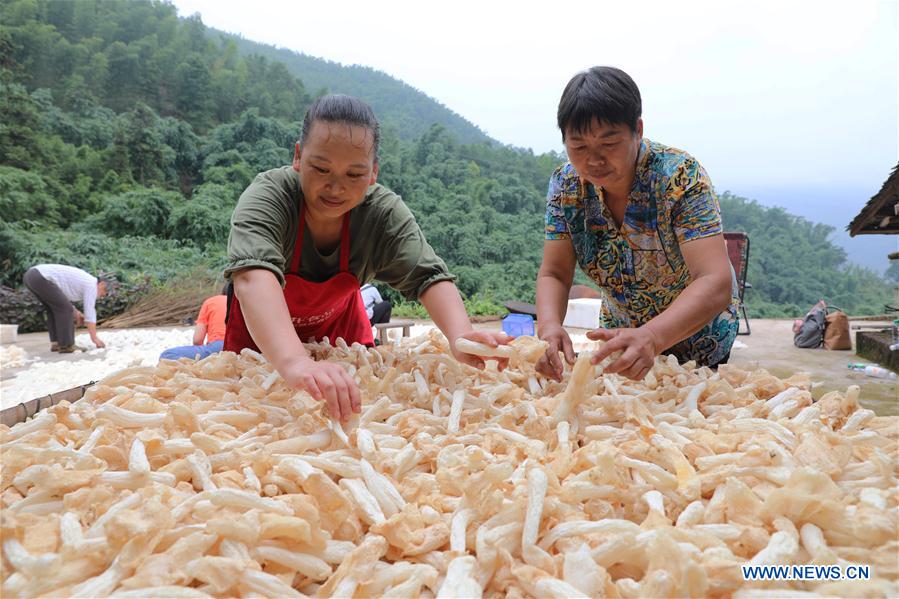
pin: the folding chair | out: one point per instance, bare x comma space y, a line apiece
738, 252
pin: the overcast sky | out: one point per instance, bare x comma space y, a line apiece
770, 94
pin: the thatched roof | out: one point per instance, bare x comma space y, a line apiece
881, 213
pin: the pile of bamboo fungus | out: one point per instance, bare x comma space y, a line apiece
213, 478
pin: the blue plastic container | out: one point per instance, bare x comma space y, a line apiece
515, 325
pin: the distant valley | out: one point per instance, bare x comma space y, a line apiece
834, 207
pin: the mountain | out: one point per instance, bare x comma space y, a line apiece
411, 112
408, 111
124, 126
835, 207
793, 262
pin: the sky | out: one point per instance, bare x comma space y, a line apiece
783, 101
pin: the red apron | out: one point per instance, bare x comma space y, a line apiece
329, 309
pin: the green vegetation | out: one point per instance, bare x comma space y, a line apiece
127, 135
402, 109
475, 306
892, 273
792, 264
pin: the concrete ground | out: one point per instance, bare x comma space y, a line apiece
38, 347
770, 346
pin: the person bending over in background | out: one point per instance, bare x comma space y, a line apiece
210, 328
643, 222
56, 286
303, 239
377, 308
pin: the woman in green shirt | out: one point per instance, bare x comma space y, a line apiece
305, 237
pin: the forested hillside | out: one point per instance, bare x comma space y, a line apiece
408, 112
792, 264
127, 135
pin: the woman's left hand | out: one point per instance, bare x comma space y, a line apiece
490, 338
638, 348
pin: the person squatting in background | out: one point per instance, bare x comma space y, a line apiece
56, 286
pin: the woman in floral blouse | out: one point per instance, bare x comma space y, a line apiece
642, 221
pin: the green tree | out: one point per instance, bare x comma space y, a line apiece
21, 132
140, 213
25, 195
205, 219
892, 273
193, 92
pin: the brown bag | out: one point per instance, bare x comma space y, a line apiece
836, 331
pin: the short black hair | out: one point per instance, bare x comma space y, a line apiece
606, 94
340, 108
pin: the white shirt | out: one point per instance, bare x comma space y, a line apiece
75, 284
370, 297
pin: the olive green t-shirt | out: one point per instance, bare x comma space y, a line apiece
385, 241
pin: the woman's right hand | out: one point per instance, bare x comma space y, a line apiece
326, 382
550, 364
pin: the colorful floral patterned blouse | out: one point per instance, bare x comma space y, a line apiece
639, 266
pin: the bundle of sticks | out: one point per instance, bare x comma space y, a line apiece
171, 304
